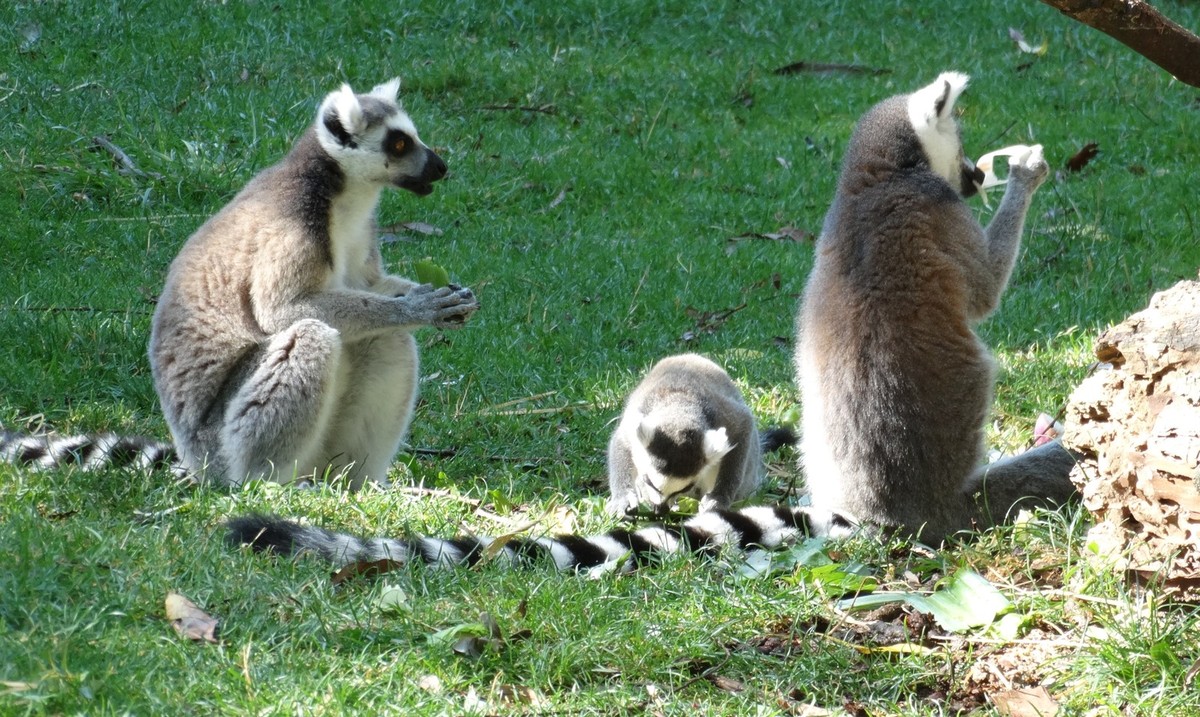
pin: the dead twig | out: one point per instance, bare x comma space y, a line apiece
547, 109
124, 162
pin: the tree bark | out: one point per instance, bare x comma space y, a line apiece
1136, 422
1143, 29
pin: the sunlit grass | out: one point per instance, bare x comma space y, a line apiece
598, 227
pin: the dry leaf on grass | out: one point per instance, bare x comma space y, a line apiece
1028, 702
1191, 674
520, 695
366, 569
189, 620
782, 234
1080, 159
495, 547
708, 322
417, 227
397, 232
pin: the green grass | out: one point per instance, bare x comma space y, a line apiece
666, 134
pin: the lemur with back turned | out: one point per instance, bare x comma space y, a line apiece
895, 384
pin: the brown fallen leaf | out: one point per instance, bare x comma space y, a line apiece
725, 684
497, 545
1080, 159
364, 568
709, 321
1027, 702
189, 620
828, 68
520, 695
796, 707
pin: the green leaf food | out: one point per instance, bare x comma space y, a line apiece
966, 600
763, 563
430, 273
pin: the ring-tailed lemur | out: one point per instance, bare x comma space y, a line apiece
686, 431
89, 452
280, 348
619, 550
896, 386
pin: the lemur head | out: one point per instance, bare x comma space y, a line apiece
373, 140
920, 129
676, 454
931, 113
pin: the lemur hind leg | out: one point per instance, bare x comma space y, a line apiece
375, 406
1037, 478
275, 420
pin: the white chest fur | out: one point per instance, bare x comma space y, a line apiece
351, 236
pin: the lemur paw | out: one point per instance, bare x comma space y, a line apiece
457, 305
1029, 168
623, 507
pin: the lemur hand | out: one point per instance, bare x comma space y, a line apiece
1028, 168
456, 315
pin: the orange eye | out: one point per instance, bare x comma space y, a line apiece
399, 146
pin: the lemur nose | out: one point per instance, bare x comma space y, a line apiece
435, 166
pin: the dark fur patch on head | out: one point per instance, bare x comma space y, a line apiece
679, 455
334, 125
397, 143
941, 101
374, 110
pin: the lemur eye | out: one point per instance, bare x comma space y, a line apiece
399, 145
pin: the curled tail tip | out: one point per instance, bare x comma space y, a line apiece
776, 437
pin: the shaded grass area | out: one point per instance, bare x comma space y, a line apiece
609, 168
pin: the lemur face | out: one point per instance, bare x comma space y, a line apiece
373, 140
405, 152
674, 460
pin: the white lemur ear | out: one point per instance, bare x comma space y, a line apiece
931, 113
387, 91
935, 102
716, 444
341, 116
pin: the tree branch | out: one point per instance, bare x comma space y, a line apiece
1143, 29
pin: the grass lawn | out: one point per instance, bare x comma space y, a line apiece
619, 177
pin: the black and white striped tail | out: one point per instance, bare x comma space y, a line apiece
89, 452
621, 550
